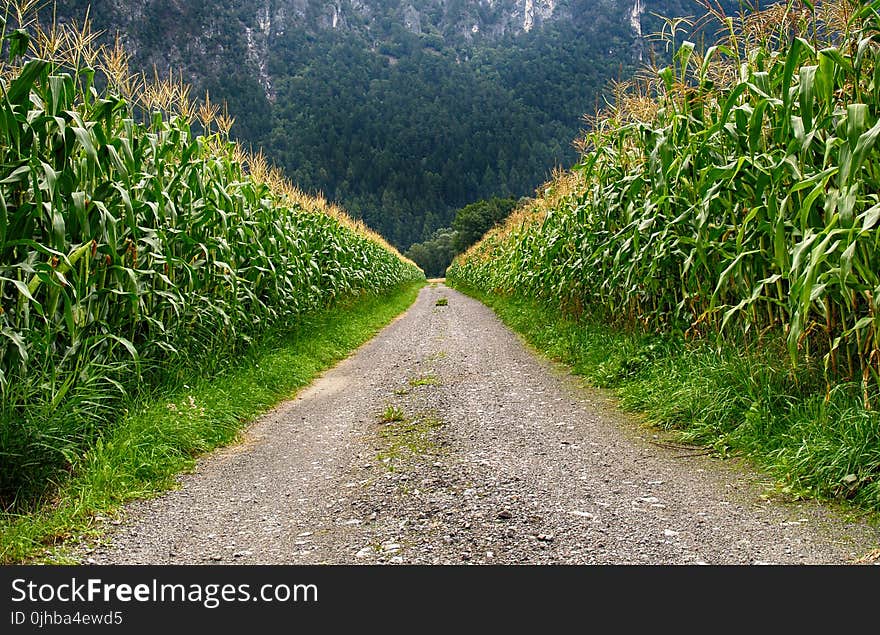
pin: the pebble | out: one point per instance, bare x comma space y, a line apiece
586, 515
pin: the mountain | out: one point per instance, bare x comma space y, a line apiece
400, 110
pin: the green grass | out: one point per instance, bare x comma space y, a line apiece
734, 400
160, 437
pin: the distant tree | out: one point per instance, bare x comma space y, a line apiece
435, 254
474, 220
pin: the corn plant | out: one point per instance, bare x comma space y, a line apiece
735, 191
132, 249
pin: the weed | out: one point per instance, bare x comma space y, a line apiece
415, 437
392, 413
424, 380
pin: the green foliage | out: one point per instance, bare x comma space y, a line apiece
391, 141
434, 254
388, 122
132, 250
474, 220
470, 222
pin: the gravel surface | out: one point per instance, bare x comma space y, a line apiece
501, 457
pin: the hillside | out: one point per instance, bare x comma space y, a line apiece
400, 111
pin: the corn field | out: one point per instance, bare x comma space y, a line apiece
130, 246
735, 191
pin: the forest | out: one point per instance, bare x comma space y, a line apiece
400, 128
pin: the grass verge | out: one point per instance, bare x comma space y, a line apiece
819, 443
156, 439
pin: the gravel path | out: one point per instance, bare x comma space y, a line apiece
501, 458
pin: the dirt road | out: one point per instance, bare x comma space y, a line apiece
486, 454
